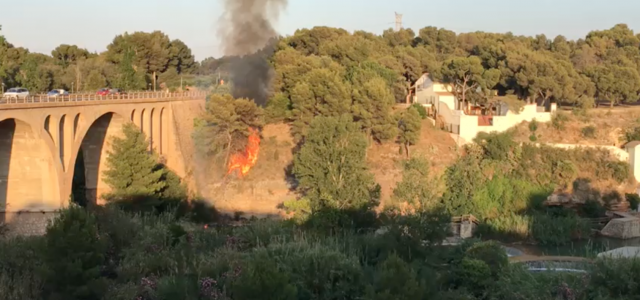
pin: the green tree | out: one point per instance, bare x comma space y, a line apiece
409, 126
331, 167
65, 55
73, 257
467, 75
320, 93
180, 57
131, 170
94, 81
128, 79
35, 73
416, 187
372, 105
615, 83
153, 53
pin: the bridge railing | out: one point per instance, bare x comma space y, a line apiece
95, 97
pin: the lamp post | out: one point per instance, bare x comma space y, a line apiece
3, 87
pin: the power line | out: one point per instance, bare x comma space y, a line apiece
398, 21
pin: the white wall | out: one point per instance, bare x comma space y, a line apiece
469, 124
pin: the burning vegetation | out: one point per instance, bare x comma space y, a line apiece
245, 160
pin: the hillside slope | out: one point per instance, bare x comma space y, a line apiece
266, 186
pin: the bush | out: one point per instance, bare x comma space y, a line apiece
593, 209
261, 276
20, 261
558, 230
634, 200
421, 110
73, 247
632, 134
589, 132
559, 120
396, 279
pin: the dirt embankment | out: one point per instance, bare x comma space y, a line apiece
266, 186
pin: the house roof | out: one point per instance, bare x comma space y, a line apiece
444, 94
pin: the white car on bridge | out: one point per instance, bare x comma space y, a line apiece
16, 93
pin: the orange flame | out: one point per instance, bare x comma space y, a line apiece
247, 159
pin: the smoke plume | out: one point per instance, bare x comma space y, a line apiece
246, 33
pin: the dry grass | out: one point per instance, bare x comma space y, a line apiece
385, 160
265, 187
609, 125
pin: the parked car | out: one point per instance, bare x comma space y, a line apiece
57, 92
103, 92
16, 93
117, 92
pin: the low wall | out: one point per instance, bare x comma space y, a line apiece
26, 223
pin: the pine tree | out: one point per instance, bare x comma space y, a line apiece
132, 170
409, 126
128, 78
331, 167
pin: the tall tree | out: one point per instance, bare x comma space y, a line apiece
131, 171
331, 167
320, 92
180, 57
409, 126
152, 51
66, 55
416, 187
466, 74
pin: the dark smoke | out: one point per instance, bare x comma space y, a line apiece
247, 34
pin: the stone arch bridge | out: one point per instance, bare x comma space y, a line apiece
41, 139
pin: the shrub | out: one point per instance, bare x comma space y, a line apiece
558, 120
533, 126
421, 110
492, 254
634, 200
593, 209
74, 248
261, 276
589, 132
20, 261
396, 279
632, 134
614, 278
558, 230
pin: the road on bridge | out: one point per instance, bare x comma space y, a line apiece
94, 97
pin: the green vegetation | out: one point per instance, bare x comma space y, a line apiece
137, 180
504, 184
110, 254
337, 92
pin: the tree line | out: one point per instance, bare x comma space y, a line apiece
602, 66
133, 61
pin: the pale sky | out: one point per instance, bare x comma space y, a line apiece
41, 25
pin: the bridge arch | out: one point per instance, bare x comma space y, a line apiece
29, 173
85, 178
